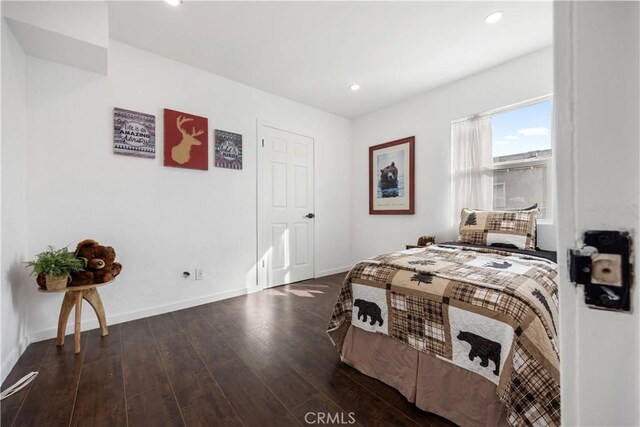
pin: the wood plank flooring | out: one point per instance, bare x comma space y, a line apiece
257, 360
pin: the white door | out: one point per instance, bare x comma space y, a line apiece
597, 104
286, 217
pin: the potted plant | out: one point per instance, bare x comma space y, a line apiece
56, 265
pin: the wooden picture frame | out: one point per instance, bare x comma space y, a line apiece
392, 177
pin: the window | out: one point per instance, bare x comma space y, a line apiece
522, 154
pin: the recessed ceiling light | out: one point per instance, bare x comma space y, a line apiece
174, 2
494, 17
354, 87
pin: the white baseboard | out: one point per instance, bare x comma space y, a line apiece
254, 289
139, 314
331, 271
13, 358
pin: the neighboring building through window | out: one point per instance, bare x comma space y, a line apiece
522, 154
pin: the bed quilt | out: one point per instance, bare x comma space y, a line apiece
487, 311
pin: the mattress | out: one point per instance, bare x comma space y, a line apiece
540, 253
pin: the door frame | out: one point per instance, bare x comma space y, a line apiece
260, 264
582, 386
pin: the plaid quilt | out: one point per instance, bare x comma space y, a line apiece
484, 310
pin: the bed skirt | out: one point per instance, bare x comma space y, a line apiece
434, 385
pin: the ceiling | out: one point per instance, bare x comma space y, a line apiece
312, 52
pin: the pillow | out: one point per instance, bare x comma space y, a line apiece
528, 208
499, 228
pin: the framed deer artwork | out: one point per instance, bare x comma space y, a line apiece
186, 140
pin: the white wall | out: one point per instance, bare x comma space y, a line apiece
429, 117
597, 79
13, 159
162, 220
85, 21
70, 32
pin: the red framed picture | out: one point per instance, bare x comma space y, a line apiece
391, 177
186, 140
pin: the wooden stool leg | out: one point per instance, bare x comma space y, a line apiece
67, 304
78, 297
93, 297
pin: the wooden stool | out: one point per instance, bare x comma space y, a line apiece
73, 297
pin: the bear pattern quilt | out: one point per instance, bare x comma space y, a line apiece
487, 311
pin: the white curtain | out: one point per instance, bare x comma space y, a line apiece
471, 165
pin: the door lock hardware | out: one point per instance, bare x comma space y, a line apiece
603, 266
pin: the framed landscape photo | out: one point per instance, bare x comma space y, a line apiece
391, 177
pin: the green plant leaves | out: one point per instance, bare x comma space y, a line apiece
56, 262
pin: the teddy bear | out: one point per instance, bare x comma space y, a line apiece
100, 264
426, 240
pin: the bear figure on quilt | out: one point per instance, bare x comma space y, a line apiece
483, 348
371, 305
367, 309
478, 342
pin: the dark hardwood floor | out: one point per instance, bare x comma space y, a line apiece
258, 360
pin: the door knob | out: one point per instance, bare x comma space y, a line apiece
310, 215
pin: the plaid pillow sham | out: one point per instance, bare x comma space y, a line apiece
499, 228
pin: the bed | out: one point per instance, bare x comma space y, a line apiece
468, 332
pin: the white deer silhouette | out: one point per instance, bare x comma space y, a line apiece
181, 153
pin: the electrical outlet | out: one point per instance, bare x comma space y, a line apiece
199, 274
